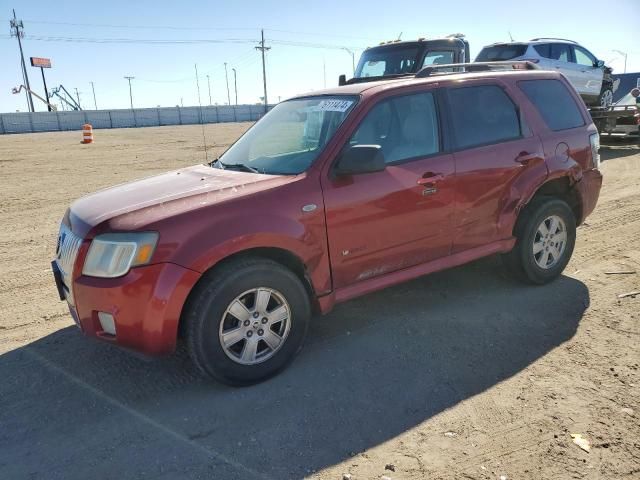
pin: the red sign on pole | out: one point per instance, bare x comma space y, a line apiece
40, 62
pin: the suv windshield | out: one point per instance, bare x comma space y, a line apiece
290, 137
377, 62
496, 53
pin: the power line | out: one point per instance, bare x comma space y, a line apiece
136, 27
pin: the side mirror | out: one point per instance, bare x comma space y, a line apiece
342, 80
599, 63
361, 159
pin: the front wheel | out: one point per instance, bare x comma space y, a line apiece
606, 98
246, 321
545, 238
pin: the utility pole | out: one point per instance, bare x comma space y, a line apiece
624, 54
78, 97
95, 104
227, 78
209, 85
262, 49
17, 30
235, 83
130, 92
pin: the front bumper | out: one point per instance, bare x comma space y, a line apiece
146, 304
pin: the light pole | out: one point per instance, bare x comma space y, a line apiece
624, 54
226, 76
353, 58
235, 83
209, 86
130, 92
95, 104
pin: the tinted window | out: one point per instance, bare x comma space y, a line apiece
405, 127
554, 102
482, 115
543, 49
495, 53
583, 57
438, 58
560, 51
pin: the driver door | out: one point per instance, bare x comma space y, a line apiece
402, 216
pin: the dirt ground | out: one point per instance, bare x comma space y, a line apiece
460, 374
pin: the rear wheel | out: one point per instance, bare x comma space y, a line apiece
247, 321
545, 238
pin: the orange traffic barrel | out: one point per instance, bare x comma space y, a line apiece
87, 133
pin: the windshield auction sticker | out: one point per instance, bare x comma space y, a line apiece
334, 105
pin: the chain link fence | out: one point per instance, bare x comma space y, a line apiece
25, 122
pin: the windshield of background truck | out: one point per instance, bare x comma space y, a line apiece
291, 136
377, 62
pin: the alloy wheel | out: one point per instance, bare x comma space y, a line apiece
255, 326
549, 242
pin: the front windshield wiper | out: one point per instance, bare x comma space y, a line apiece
234, 166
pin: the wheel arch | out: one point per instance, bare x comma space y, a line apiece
284, 257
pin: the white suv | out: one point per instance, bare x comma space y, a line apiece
589, 76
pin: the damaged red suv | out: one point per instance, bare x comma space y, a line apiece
330, 196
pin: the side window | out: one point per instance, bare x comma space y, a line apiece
483, 115
438, 58
543, 49
583, 57
560, 51
405, 127
554, 102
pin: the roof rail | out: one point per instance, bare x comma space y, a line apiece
477, 67
553, 38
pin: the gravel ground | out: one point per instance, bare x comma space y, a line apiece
460, 374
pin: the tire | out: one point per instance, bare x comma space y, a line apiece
237, 287
531, 267
605, 99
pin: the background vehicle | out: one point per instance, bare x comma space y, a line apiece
588, 75
382, 183
396, 58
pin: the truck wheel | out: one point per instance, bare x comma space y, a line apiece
246, 321
545, 237
606, 97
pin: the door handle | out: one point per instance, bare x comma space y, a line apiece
430, 178
525, 158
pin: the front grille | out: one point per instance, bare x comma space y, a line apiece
66, 253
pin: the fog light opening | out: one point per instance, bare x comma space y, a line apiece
107, 323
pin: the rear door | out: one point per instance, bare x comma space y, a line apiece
402, 216
562, 60
493, 148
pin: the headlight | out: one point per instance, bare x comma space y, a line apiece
113, 254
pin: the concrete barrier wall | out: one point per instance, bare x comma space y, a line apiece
25, 122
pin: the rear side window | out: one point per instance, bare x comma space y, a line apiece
405, 127
554, 102
561, 52
483, 115
543, 49
496, 53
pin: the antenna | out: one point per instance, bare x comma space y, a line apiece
204, 137
399, 36
510, 36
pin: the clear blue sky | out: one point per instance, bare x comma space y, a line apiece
165, 73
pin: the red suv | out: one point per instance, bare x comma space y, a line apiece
330, 196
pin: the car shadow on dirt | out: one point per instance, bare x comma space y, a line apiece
612, 148
371, 370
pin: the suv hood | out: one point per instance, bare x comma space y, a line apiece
167, 194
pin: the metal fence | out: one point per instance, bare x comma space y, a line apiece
25, 122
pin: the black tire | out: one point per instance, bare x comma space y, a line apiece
206, 309
607, 93
521, 261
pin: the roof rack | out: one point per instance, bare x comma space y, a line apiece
477, 67
553, 38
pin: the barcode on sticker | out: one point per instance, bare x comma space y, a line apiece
334, 105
